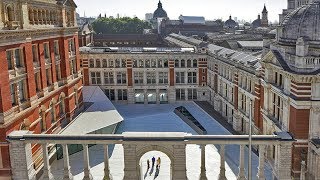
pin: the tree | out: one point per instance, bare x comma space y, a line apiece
124, 25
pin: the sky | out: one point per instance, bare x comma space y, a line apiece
210, 9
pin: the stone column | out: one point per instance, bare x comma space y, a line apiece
21, 157
25, 15
107, 175
222, 175
203, 175
130, 162
260, 175
303, 171
66, 165
179, 165
283, 160
241, 175
237, 124
47, 175
86, 165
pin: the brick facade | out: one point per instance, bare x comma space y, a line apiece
38, 90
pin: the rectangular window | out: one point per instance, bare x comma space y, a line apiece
121, 78
71, 48
117, 63
192, 94
48, 75
91, 63
37, 80
135, 63
180, 95
58, 72
98, 63
108, 78
122, 95
110, 94
153, 63
192, 77
13, 94
163, 78
104, 63
17, 57
138, 77
56, 50
35, 53
151, 77
9, 59
111, 64
160, 63
141, 63
21, 89
148, 63
123, 63
46, 52
180, 77
165, 63
95, 77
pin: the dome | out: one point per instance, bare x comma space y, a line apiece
160, 12
230, 23
302, 22
256, 23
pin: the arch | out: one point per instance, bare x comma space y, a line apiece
142, 151
10, 12
160, 148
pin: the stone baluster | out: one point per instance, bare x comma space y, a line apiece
47, 175
67, 172
241, 175
260, 175
203, 175
222, 175
86, 170
107, 175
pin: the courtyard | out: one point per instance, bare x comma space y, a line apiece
161, 118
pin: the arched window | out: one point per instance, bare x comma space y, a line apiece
195, 63
10, 13
189, 63
176, 63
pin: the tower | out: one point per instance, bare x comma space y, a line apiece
264, 20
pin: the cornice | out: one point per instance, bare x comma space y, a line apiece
9, 37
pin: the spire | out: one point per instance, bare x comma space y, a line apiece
264, 9
159, 4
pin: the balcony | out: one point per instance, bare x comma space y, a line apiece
135, 145
12, 25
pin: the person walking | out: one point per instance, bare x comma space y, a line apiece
148, 164
158, 162
153, 161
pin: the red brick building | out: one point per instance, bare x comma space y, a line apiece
40, 77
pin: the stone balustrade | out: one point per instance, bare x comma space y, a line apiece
135, 145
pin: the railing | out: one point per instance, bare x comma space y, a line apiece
136, 144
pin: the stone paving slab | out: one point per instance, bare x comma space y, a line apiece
160, 118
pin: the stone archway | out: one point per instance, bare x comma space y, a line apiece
163, 172
134, 152
146, 149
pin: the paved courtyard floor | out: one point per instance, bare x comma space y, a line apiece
160, 118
